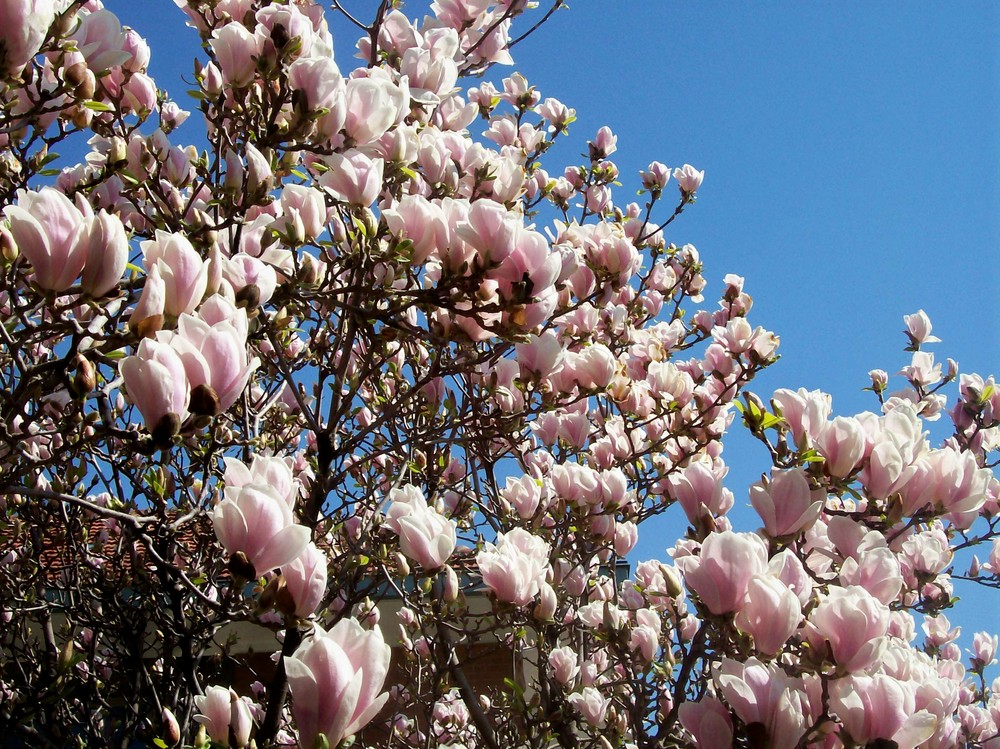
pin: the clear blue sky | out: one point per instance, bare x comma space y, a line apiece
851, 154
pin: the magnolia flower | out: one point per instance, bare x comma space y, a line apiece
224, 715
591, 704
786, 503
853, 623
918, 329
688, 179
771, 614
184, 273
47, 229
157, 384
335, 678
305, 580
24, 25
764, 694
565, 664
514, 568
257, 521
880, 707
107, 253
271, 471
425, 535
722, 573
215, 360
708, 721
236, 49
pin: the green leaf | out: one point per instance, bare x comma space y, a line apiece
160, 743
98, 106
770, 420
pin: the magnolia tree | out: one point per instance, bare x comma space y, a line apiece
366, 379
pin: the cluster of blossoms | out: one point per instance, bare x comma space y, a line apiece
365, 382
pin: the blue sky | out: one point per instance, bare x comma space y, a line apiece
851, 154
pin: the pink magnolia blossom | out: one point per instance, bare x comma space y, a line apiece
320, 80
689, 179
153, 301
425, 535
514, 568
804, 412
784, 706
243, 270
841, 442
353, 177
224, 714
595, 367
491, 229
157, 383
184, 273
305, 580
214, 356
101, 41
107, 253
270, 471
698, 488
880, 707
236, 49
876, 570
721, 574
984, 649
591, 704
422, 222
335, 678
918, 329
540, 355
787, 503
258, 522
373, 105
24, 24
303, 213
771, 614
854, 624
47, 229
565, 664
708, 721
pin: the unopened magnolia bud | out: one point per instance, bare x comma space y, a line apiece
66, 657
117, 150
546, 608
85, 379
81, 80
171, 730
402, 564
880, 379
952, 370
674, 588
201, 740
450, 584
